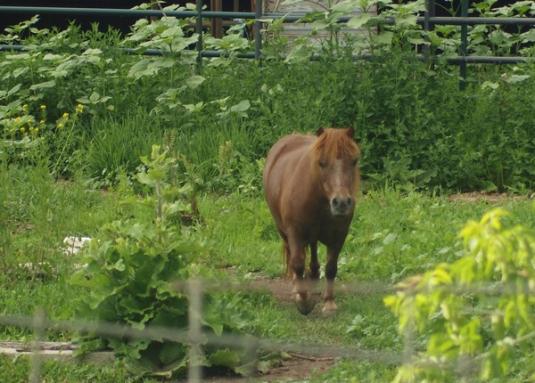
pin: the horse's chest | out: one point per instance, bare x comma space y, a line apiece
329, 231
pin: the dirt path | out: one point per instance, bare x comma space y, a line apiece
280, 288
295, 369
488, 197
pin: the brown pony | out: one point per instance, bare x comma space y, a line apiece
310, 184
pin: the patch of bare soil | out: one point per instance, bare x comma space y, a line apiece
298, 366
280, 288
487, 197
294, 369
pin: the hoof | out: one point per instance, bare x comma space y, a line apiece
305, 306
329, 307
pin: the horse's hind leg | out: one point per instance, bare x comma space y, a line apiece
286, 254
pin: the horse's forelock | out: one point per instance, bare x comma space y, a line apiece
335, 144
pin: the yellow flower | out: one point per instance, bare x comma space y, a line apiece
60, 125
17, 120
23, 130
41, 122
43, 107
65, 115
79, 108
25, 107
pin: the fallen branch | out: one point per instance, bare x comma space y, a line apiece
312, 358
53, 350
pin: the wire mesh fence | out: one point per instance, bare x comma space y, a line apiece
195, 338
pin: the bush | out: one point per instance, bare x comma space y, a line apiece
476, 316
416, 128
133, 266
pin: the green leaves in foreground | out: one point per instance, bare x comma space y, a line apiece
476, 314
132, 267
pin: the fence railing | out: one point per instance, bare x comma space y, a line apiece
427, 21
193, 336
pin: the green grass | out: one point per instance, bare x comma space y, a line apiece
393, 236
116, 143
53, 371
40, 214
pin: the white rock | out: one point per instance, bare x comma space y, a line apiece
73, 245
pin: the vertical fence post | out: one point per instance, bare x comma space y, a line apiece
195, 294
429, 12
250, 347
464, 46
408, 342
257, 31
35, 362
198, 30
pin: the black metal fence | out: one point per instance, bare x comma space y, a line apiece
428, 20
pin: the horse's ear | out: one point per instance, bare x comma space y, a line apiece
350, 133
319, 132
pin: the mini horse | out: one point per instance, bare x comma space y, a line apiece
310, 185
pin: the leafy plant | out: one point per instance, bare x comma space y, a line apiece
235, 173
475, 315
132, 269
416, 129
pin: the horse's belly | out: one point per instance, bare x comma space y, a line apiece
280, 176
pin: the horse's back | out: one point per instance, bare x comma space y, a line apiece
281, 161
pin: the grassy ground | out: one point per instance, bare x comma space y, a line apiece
393, 236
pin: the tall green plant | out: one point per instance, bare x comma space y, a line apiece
132, 269
417, 130
476, 316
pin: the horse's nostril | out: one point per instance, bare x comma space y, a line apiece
336, 201
349, 201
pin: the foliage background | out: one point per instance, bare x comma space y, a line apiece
416, 128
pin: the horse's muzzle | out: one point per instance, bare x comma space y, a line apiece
342, 205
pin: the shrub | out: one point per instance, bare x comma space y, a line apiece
474, 316
132, 269
416, 128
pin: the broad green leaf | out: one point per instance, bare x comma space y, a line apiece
226, 358
241, 107
358, 21
516, 78
14, 90
43, 85
528, 36
384, 38
171, 352
194, 81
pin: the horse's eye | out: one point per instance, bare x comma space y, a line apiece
322, 164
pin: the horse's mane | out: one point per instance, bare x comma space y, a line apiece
335, 143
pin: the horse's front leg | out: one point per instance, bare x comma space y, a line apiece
314, 270
314, 273
297, 264
330, 274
